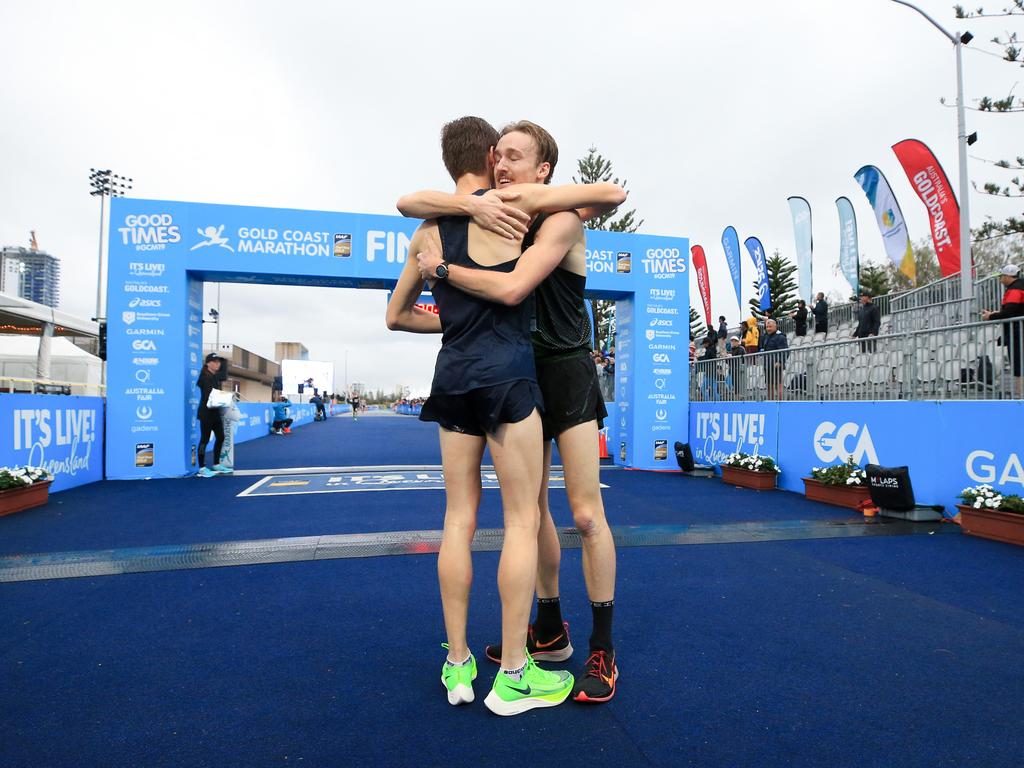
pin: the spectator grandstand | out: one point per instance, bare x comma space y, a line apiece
931, 345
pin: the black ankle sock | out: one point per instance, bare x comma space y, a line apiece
549, 617
601, 637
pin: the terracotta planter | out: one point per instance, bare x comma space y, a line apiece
992, 524
849, 496
748, 478
17, 499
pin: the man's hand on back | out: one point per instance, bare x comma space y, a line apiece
427, 261
492, 212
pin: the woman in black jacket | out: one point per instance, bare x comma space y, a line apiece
210, 421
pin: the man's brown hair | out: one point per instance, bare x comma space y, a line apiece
464, 145
547, 149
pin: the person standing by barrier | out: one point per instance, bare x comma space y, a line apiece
737, 369
751, 335
554, 263
820, 314
485, 391
869, 321
775, 364
282, 424
799, 316
1013, 332
723, 333
210, 420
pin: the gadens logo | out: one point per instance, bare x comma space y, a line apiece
850, 440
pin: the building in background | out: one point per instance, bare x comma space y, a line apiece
249, 374
290, 350
30, 274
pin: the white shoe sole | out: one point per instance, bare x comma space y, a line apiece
499, 706
460, 694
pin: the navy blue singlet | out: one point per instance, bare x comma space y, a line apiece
483, 343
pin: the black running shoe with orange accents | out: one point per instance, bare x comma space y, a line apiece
557, 648
597, 682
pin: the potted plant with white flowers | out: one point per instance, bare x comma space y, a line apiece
992, 515
750, 471
23, 488
844, 485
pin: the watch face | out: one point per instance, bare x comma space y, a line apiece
441, 271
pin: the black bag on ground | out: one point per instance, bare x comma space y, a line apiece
684, 456
890, 487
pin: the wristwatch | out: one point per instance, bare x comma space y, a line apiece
441, 270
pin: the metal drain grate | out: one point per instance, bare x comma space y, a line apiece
110, 562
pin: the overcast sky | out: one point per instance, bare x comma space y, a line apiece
715, 113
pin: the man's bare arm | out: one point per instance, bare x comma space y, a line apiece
401, 314
554, 239
490, 211
532, 198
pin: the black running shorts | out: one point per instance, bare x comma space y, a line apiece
571, 393
482, 411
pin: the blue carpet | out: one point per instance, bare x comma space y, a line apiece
743, 655
119, 514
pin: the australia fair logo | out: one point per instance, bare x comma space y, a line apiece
832, 443
149, 231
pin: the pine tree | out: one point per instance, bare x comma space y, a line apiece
874, 279
781, 285
696, 325
593, 169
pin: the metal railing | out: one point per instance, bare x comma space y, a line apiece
970, 361
946, 289
988, 294
17, 384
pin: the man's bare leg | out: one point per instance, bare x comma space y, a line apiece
581, 464
516, 450
460, 457
549, 551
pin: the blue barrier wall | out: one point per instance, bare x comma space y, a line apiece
161, 252
948, 445
62, 434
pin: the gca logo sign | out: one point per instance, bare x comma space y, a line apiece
143, 345
831, 443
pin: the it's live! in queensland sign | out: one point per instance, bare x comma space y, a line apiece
63, 435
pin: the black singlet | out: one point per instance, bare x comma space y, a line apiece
561, 321
483, 343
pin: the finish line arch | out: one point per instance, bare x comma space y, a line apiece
161, 252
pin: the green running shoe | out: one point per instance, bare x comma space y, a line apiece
537, 688
458, 680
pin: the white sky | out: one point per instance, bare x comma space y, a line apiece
714, 112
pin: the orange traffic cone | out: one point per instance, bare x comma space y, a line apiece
602, 445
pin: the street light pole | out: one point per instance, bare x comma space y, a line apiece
105, 183
958, 41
